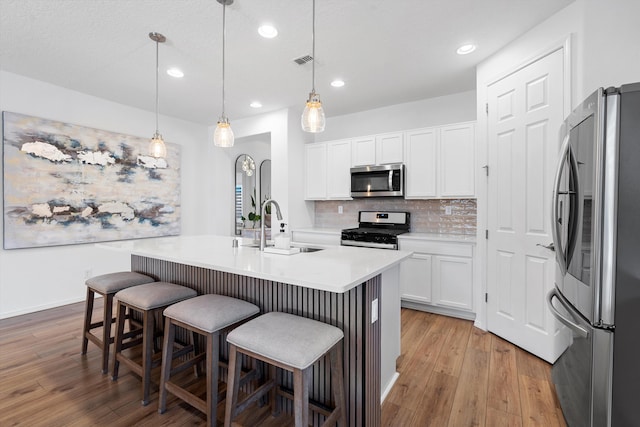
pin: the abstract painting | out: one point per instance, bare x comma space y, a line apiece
68, 184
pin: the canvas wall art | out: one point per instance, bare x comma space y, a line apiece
67, 184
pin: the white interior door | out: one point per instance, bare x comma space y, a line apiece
525, 112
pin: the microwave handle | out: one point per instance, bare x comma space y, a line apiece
390, 187
557, 222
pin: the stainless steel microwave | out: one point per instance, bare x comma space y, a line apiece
378, 181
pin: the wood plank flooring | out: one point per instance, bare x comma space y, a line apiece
451, 374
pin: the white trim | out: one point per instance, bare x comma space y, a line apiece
389, 386
47, 306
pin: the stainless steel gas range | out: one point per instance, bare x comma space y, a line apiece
377, 230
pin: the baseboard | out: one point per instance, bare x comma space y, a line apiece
452, 312
389, 386
36, 308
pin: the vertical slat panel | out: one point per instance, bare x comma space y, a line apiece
349, 311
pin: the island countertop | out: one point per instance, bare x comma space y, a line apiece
334, 268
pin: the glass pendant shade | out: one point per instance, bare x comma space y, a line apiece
313, 115
157, 148
223, 135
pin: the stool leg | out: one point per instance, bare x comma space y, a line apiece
117, 347
213, 351
273, 393
88, 311
337, 382
167, 357
233, 385
148, 339
301, 396
106, 331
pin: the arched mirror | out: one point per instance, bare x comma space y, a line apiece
247, 205
265, 189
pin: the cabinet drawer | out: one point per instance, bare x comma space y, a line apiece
436, 247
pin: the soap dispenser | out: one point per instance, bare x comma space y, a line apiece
282, 241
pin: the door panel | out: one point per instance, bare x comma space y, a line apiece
525, 115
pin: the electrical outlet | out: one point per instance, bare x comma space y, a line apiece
447, 210
340, 209
374, 310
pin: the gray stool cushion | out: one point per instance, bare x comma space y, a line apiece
211, 313
292, 340
113, 282
154, 295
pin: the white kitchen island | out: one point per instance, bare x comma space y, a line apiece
355, 289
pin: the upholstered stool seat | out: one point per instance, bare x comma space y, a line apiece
106, 285
207, 315
150, 300
292, 343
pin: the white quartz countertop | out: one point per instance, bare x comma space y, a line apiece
334, 269
462, 238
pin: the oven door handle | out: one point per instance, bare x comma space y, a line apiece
569, 323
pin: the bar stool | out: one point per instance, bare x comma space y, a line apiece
207, 315
106, 285
150, 300
292, 343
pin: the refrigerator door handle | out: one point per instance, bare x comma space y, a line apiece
569, 323
557, 222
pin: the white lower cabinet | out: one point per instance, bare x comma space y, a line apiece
438, 277
453, 280
415, 278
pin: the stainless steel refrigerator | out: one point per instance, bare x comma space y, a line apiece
596, 232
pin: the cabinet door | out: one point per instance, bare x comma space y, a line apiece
421, 147
453, 282
315, 171
389, 148
415, 278
457, 160
364, 151
338, 169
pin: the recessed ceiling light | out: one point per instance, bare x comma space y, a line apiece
465, 49
267, 31
337, 83
175, 72
255, 104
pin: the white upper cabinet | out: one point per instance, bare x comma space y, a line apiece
389, 148
315, 185
421, 165
377, 150
440, 162
363, 151
338, 169
457, 160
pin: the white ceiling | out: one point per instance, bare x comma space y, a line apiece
387, 52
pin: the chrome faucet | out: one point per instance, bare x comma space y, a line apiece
263, 240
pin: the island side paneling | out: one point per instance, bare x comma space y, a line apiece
350, 311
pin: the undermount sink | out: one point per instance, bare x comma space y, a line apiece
308, 249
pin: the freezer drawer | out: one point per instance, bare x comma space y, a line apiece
582, 374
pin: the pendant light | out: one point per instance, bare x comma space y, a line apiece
157, 148
223, 135
313, 115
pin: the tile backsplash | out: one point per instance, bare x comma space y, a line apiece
427, 216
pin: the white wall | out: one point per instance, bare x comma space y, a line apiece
442, 110
39, 278
287, 141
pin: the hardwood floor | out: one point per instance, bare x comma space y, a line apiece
451, 374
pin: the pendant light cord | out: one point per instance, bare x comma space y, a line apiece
313, 48
157, 95
224, 31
